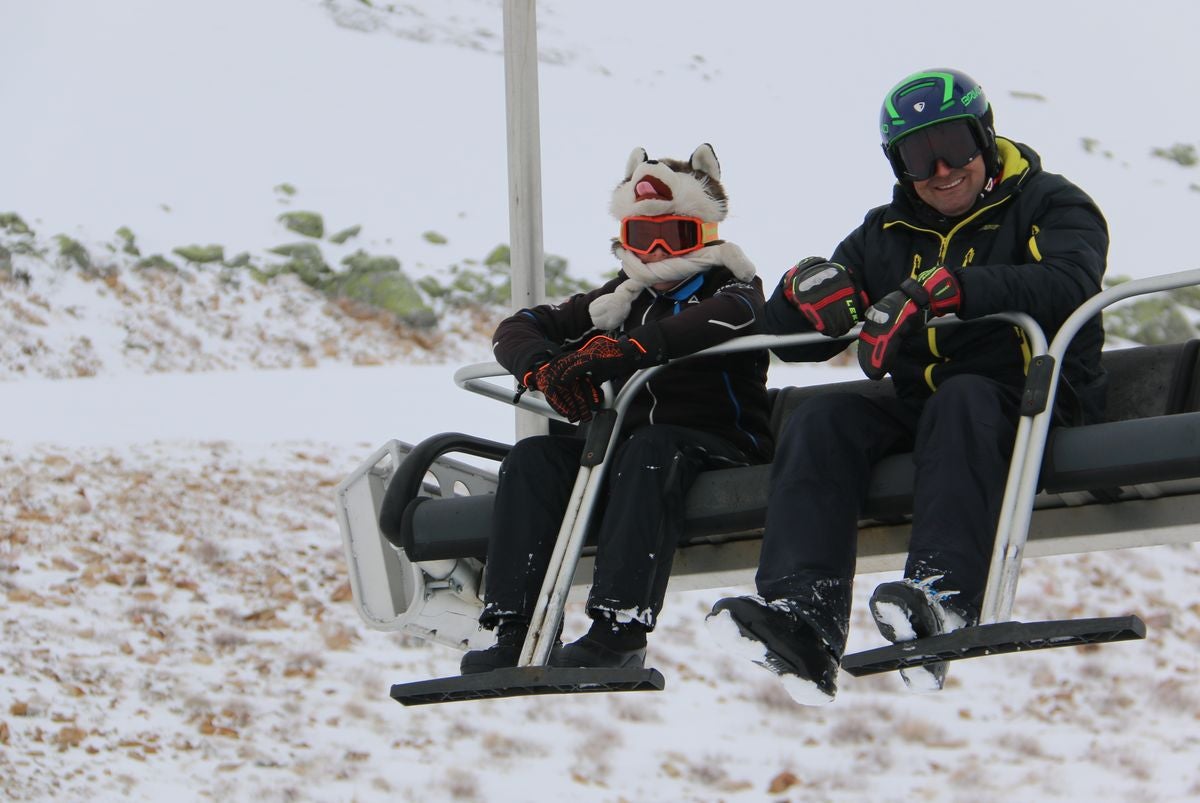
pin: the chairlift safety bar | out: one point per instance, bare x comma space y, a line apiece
564, 559
1030, 447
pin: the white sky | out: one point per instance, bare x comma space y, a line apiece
119, 108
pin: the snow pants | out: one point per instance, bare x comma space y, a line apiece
641, 519
961, 439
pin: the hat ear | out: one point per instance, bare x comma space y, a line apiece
636, 158
704, 159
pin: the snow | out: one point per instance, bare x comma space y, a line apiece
804, 691
889, 614
176, 622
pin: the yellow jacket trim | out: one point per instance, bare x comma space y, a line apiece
1015, 165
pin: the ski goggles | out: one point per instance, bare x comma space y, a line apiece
917, 154
676, 234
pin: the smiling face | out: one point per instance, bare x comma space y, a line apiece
952, 190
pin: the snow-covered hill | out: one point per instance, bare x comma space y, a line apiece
68, 324
177, 626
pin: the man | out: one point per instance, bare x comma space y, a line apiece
680, 290
975, 227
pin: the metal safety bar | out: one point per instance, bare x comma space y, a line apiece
1030, 446
564, 559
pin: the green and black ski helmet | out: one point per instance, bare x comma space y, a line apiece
928, 98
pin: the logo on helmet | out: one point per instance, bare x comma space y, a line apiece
919, 107
971, 96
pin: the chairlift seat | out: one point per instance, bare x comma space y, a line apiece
1148, 447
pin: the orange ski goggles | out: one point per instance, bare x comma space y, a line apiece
676, 234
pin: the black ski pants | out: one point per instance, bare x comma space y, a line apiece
641, 519
961, 439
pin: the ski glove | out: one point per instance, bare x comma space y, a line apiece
603, 358
826, 294
897, 315
889, 321
937, 290
573, 400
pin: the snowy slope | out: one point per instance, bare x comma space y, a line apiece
65, 324
176, 626
175, 615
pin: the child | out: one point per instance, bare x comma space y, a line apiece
680, 290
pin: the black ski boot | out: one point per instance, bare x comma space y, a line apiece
783, 637
905, 610
608, 644
504, 654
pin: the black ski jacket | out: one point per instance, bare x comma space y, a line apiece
724, 394
1035, 244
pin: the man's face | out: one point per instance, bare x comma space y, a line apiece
952, 190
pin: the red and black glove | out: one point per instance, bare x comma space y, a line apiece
889, 321
899, 313
826, 294
573, 400
937, 290
603, 358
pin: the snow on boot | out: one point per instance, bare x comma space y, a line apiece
782, 639
608, 644
905, 610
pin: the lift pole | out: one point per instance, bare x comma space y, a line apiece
527, 258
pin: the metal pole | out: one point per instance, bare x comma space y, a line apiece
1001, 588
524, 171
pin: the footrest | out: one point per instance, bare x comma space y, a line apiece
526, 680
1002, 637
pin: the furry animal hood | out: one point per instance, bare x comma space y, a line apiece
668, 187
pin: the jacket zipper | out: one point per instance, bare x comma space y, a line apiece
943, 249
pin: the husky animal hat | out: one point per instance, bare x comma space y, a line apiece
668, 187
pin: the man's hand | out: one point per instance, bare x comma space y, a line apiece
889, 321
600, 359
573, 400
937, 290
898, 314
826, 294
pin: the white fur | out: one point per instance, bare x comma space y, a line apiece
608, 311
636, 158
704, 159
687, 189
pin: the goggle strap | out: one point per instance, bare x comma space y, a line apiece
708, 232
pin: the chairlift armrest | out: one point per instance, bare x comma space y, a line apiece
474, 378
405, 485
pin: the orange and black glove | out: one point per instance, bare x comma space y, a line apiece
603, 358
899, 313
826, 294
574, 400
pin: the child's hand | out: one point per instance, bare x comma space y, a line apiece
574, 400
600, 359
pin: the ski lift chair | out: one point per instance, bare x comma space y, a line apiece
415, 522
